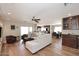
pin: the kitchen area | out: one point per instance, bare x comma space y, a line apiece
70, 33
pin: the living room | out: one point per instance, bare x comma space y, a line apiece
43, 22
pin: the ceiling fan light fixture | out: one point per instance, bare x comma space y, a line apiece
65, 4
36, 19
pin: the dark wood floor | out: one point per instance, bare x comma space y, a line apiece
55, 49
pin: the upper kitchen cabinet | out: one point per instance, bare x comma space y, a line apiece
71, 23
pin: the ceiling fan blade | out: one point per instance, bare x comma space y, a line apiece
32, 19
35, 19
38, 19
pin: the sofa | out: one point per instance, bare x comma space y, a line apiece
11, 39
39, 42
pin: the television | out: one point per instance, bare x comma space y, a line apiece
0, 31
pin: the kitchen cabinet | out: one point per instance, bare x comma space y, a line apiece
70, 40
71, 23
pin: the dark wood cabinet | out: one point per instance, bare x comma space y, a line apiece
78, 41
71, 23
70, 40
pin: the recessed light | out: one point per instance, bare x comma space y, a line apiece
9, 13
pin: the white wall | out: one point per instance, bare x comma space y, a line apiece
7, 27
1, 24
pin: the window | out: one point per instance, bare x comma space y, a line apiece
25, 30
43, 29
58, 28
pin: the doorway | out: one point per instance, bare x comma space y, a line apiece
57, 31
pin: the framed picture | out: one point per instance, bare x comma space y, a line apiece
12, 27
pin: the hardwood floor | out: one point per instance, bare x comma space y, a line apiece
55, 49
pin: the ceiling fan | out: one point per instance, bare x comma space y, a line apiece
35, 19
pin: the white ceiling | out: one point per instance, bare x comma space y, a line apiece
49, 13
